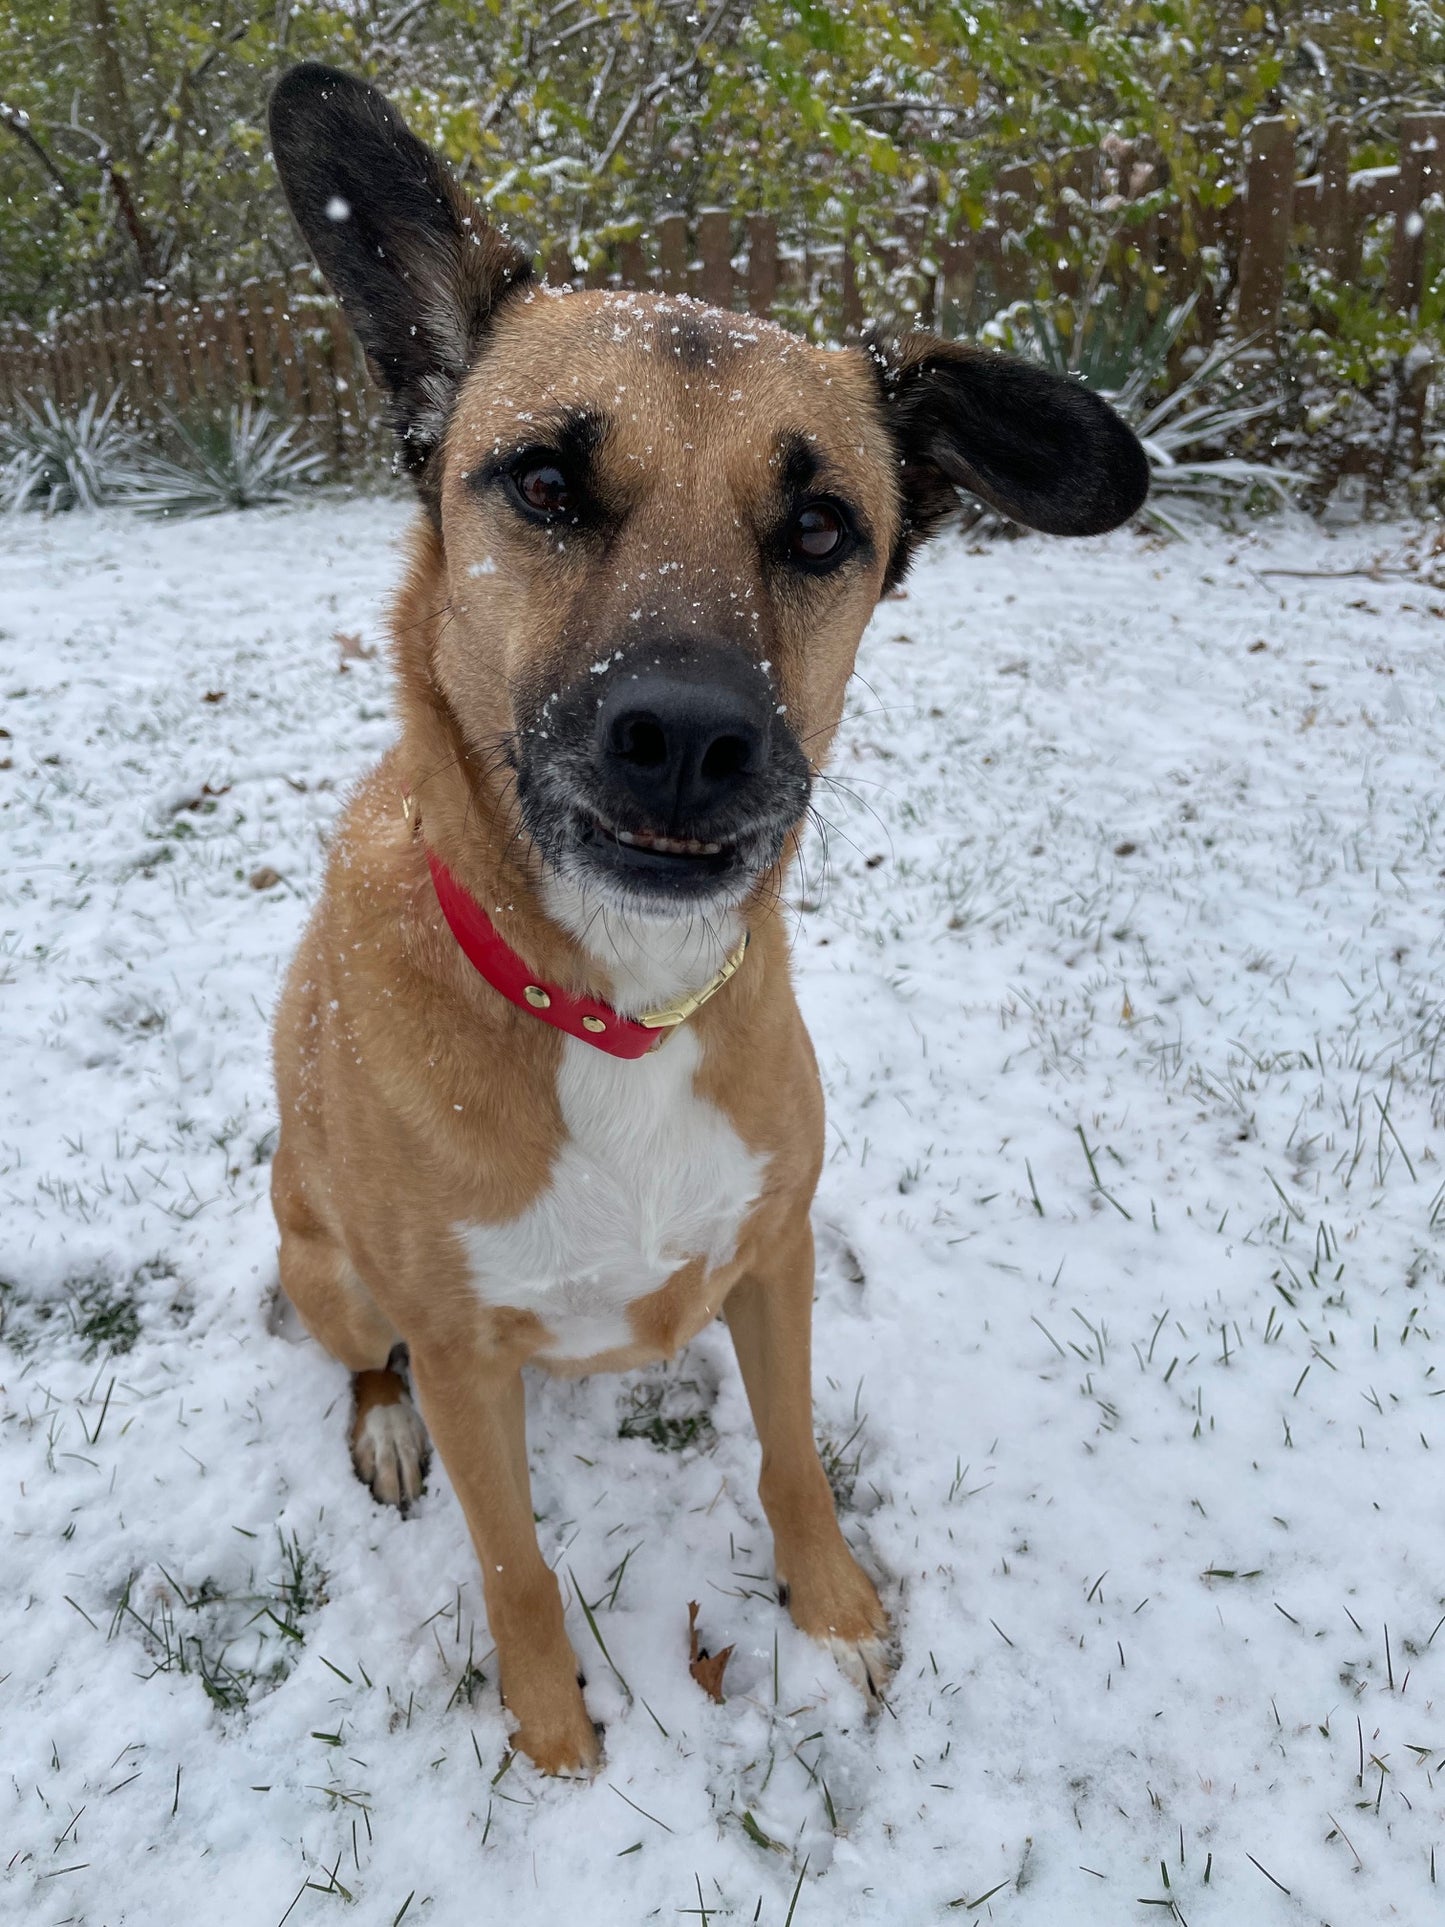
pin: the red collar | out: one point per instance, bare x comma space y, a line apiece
581, 1017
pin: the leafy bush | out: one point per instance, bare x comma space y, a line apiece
1362, 398
214, 463
51, 460
134, 152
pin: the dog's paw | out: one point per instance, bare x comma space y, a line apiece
559, 1736
868, 1663
390, 1449
834, 1601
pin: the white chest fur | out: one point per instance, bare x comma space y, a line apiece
650, 1176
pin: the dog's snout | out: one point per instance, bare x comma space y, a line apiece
681, 739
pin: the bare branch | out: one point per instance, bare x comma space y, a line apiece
18, 121
130, 215
655, 89
403, 17
160, 125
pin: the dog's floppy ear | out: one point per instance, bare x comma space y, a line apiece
1044, 450
409, 257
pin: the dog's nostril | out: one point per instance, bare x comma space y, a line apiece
727, 756
640, 740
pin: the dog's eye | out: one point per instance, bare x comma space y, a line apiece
817, 533
543, 487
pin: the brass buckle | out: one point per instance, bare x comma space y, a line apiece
668, 1016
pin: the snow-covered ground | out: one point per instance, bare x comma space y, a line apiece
1126, 978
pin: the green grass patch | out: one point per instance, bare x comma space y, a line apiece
236, 1640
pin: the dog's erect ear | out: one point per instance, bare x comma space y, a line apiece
1044, 450
410, 259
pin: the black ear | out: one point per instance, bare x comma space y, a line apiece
410, 259
1044, 450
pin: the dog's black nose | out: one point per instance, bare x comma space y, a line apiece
681, 736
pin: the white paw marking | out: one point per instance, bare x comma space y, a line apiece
866, 1662
390, 1452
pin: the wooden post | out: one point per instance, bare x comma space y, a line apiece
715, 245
1265, 233
672, 252
762, 263
632, 266
100, 349
213, 359
1332, 214
175, 351
258, 329
151, 375
852, 299
237, 346
321, 394
1422, 174
127, 353
288, 351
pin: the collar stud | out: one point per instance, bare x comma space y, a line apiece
537, 997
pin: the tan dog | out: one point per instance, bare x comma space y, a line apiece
654, 535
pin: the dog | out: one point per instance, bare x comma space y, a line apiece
545, 1094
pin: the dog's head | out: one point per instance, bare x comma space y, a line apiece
664, 527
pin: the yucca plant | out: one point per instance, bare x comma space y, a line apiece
234, 461
1123, 352
52, 460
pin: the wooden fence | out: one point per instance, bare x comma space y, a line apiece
283, 340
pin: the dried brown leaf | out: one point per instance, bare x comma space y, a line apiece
706, 1668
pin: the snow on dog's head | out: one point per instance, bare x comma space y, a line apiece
659, 528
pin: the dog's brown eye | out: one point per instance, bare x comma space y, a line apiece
817, 532
543, 487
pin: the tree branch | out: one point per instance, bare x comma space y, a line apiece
655, 89
18, 121
130, 215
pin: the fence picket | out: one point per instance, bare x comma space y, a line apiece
1422, 174
1265, 235
762, 263
672, 253
714, 244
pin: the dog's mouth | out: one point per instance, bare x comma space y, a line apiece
651, 852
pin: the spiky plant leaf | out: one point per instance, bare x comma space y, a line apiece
52, 460
237, 461
1117, 349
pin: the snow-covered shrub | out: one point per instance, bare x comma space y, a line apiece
1190, 423
52, 459
236, 461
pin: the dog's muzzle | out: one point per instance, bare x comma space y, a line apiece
671, 775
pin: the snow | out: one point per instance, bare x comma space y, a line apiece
1125, 982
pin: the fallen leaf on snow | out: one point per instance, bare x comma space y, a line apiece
706, 1668
352, 648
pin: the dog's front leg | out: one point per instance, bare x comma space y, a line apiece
770, 1315
478, 1422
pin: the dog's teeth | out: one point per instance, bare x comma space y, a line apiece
667, 845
